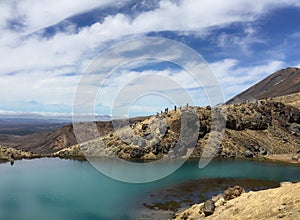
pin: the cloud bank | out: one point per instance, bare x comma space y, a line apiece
46, 68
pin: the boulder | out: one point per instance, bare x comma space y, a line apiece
185, 216
148, 135
224, 154
232, 155
294, 129
141, 142
144, 127
248, 154
220, 202
283, 184
156, 149
262, 151
209, 207
217, 197
233, 192
285, 140
166, 148
136, 153
135, 141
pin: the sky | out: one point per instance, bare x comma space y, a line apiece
47, 46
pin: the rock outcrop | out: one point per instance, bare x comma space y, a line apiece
11, 154
282, 202
208, 207
251, 130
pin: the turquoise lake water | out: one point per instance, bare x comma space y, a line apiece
66, 189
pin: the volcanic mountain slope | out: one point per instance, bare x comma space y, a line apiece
281, 83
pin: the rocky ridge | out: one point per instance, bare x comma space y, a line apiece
251, 130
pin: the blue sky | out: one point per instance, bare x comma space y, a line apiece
45, 47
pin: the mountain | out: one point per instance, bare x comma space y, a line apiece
25, 126
281, 83
51, 141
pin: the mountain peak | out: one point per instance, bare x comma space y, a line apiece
283, 82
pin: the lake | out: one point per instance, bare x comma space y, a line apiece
52, 188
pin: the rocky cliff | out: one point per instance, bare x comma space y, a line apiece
251, 130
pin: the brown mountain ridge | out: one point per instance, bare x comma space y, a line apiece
281, 83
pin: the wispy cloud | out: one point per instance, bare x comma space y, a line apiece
234, 77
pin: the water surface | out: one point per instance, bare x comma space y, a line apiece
66, 189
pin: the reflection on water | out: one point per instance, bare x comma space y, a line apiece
66, 189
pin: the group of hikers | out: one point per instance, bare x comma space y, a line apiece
167, 109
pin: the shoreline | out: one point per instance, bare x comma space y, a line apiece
272, 158
283, 158
178, 197
247, 205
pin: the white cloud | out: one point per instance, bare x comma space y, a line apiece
39, 62
41, 14
38, 86
69, 48
56, 115
243, 41
235, 78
